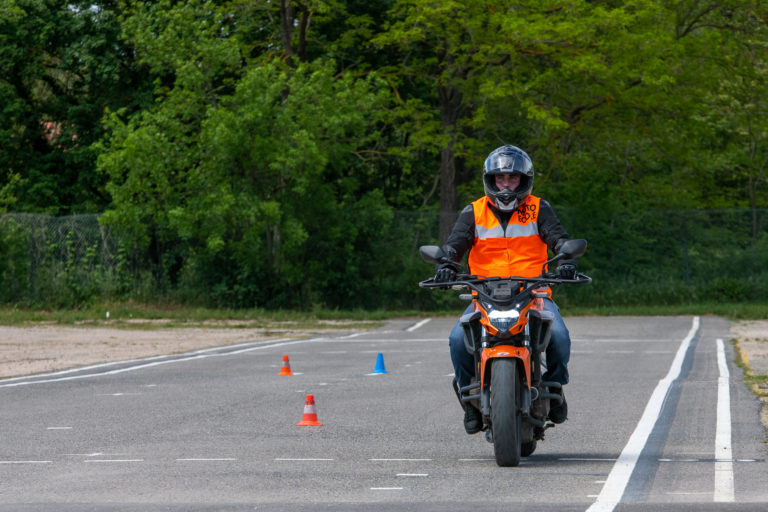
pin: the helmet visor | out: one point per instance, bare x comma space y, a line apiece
503, 163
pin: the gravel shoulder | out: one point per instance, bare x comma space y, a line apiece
46, 348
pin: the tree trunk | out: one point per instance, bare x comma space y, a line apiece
450, 111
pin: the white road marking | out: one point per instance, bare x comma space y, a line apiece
578, 459
142, 363
138, 364
724, 491
59, 428
399, 460
623, 340
417, 325
115, 460
412, 474
475, 460
612, 491
25, 461
386, 488
206, 460
301, 460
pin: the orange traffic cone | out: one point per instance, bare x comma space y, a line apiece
286, 369
310, 416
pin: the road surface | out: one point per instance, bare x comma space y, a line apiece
659, 420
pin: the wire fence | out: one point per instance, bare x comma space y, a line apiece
672, 256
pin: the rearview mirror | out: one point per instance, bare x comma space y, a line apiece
574, 248
431, 253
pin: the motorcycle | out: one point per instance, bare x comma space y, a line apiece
508, 333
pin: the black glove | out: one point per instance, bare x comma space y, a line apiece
566, 271
445, 273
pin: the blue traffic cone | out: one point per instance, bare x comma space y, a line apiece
380, 364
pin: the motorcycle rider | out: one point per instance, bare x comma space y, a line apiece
507, 233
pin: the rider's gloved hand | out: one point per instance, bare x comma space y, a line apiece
445, 273
566, 270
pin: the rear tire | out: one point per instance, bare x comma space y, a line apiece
506, 416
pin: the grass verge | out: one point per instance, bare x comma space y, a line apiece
132, 314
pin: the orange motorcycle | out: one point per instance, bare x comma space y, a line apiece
508, 333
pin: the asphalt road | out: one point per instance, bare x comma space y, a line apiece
656, 422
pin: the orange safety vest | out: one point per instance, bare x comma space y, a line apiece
516, 251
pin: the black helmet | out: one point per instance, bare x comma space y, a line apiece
507, 160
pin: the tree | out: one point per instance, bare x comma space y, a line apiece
61, 65
495, 72
223, 180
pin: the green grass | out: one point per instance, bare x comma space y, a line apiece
732, 311
136, 315
132, 315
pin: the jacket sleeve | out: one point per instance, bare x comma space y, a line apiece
462, 236
551, 231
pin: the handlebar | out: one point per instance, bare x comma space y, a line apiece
472, 282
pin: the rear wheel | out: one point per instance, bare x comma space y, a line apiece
506, 415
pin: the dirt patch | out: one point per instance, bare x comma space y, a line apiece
752, 343
46, 348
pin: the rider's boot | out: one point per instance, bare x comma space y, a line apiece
473, 420
558, 413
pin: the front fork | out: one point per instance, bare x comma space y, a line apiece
536, 394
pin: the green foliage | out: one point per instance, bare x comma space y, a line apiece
266, 153
61, 65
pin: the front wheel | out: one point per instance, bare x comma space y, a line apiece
506, 415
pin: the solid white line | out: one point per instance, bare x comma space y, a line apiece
386, 488
724, 491
417, 325
59, 428
617, 480
413, 474
141, 363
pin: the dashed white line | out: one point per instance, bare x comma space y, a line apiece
301, 460
585, 459
25, 461
417, 325
115, 460
223, 459
399, 460
386, 488
412, 474
59, 428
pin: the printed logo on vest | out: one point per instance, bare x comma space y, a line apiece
526, 212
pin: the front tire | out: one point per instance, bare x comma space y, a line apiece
506, 415
528, 448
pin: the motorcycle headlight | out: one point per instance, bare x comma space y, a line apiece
503, 320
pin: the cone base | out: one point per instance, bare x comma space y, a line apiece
309, 423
